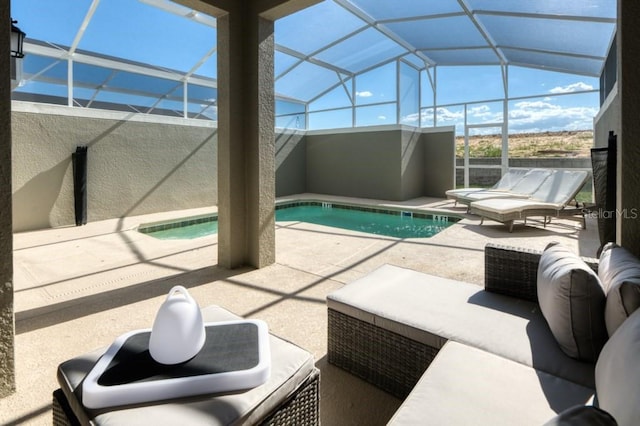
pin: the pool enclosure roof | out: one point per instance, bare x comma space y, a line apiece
158, 52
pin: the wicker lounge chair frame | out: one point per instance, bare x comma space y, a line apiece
372, 353
574, 213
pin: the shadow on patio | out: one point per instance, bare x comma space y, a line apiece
77, 289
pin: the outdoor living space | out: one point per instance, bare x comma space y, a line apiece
78, 288
123, 116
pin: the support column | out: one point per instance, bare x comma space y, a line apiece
628, 178
7, 331
246, 139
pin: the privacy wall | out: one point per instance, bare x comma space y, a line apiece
140, 164
291, 162
136, 164
386, 162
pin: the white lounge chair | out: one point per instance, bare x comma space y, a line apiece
506, 182
527, 185
551, 199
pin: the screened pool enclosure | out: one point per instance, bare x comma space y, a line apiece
483, 66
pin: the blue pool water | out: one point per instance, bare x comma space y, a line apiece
185, 231
379, 222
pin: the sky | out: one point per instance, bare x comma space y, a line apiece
151, 35
541, 101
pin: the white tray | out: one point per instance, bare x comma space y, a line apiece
245, 349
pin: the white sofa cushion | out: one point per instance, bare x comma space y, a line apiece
572, 301
619, 271
618, 373
468, 386
432, 310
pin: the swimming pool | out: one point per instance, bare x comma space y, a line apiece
391, 223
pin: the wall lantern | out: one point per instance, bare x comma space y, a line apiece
17, 42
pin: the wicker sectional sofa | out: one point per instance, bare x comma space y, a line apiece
457, 353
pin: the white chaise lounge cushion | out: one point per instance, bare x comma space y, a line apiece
490, 195
526, 186
509, 206
506, 182
561, 187
468, 386
553, 194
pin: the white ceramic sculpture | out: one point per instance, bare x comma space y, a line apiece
178, 330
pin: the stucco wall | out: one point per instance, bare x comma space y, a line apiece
357, 163
291, 162
439, 161
628, 178
411, 164
136, 165
7, 341
386, 162
608, 118
140, 164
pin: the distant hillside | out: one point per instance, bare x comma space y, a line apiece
547, 144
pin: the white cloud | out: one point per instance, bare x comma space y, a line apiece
479, 110
382, 117
534, 105
445, 115
540, 116
364, 94
484, 114
410, 119
526, 116
575, 87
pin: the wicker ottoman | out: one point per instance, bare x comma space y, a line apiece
290, 396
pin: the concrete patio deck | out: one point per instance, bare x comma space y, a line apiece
78, 288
